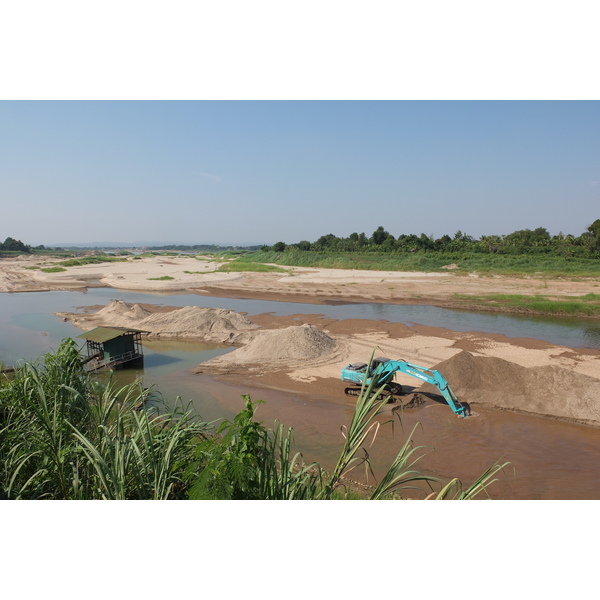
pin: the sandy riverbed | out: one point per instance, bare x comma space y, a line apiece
567, 388
297, 284
305, 354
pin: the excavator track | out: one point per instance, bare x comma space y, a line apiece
392, 390
352, 391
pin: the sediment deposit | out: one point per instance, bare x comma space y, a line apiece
191, 322
546, 390
540, 378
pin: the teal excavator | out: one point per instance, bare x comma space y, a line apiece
382, 370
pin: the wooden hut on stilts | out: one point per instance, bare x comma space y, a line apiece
113, 348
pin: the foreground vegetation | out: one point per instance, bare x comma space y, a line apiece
65, 436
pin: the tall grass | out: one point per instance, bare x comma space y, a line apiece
64, 437
587, 305
239, 265
454, 489
86, 260
485, 264
247, 461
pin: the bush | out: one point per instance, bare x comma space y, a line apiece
63, 436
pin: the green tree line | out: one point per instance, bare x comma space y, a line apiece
525, 241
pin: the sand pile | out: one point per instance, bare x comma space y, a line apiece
277, 348
212, 324
121, 314
547, 390
297, 343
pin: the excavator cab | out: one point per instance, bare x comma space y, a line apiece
356, 373
378, 361
358, 367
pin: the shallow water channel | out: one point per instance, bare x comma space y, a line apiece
550, 459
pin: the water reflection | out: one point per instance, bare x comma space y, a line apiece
160, 360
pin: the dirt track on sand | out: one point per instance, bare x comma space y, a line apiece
304, 353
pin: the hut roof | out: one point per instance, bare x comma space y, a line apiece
104, 334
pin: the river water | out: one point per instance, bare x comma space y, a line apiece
549, 459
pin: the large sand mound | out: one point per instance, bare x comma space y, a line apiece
212, 324
122, 314
215, 324
278, 348
292, 343
547, 390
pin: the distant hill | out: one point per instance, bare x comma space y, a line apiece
153, 245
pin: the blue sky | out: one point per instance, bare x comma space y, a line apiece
263, 171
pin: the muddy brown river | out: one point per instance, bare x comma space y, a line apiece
550, 459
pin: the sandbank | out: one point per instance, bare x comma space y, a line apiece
304, 354
297, 284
